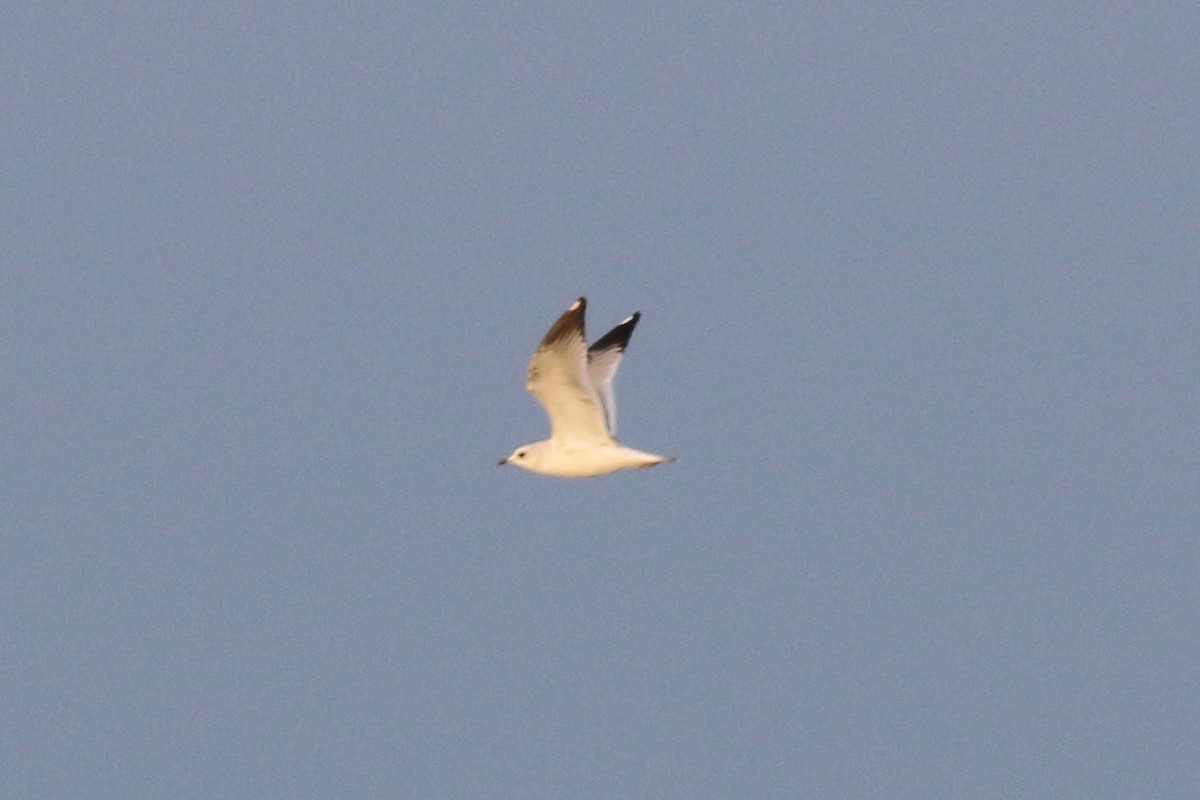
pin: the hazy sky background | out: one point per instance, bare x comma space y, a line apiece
921, 298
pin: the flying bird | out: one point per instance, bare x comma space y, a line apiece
573, 383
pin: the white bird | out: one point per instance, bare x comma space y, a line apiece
573, 382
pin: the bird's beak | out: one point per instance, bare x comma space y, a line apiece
502, 462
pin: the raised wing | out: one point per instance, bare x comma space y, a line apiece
604, 356
558, 378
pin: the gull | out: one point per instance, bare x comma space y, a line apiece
573, 382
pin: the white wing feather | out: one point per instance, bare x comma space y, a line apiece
559, 380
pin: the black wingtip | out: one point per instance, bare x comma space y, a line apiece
568, 324
618, 337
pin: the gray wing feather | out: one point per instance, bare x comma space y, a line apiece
604, 356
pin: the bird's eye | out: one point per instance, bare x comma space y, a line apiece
521, 454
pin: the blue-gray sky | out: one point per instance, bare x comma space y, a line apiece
921, 298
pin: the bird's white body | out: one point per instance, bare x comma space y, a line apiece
573, 382
549, 457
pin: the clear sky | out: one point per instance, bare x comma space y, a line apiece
921, 321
